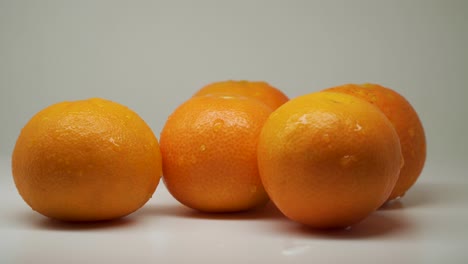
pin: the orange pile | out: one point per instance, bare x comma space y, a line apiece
326, 159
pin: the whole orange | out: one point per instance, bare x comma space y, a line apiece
271, 96
209, 145
328, 160
407, 125
86, 160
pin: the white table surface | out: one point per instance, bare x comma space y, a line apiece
427, 226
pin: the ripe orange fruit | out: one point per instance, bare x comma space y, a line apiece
262, 91
86, 160
209, 145
407, 125
328, 159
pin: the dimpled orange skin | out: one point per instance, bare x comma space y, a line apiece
262, 91
86, 160
327, 160
407, 125
208, 146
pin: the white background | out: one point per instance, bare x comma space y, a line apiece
153, 55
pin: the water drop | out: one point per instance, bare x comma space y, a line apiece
347, 160
202, 147
303, 119
358, 127
326, 138
227, 97
112, 140
218, 124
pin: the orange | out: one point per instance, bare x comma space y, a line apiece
407, 125
269, 95
86, 160
328, 160
208, 145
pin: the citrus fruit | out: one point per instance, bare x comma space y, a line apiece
262, 91
328, 160
407, 125
86, 160
208, 146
